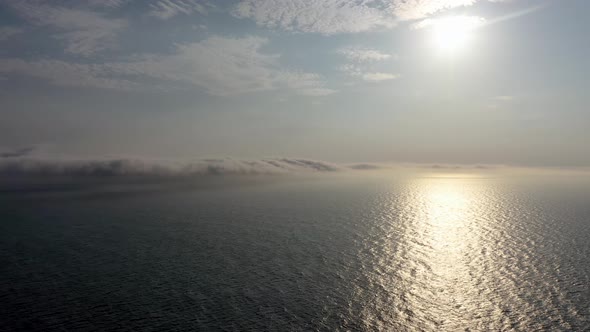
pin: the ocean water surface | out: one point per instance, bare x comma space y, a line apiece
363, 252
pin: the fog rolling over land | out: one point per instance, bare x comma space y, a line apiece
294, 165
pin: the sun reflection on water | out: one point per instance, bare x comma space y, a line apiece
462, 253
445, 241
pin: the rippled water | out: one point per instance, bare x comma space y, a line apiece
371, 253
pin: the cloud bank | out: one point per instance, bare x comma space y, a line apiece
139, 167
17, 152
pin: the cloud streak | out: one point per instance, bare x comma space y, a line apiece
379, 77
359, 54
466, 22
220, 66
108, 3
67, 74
85, 32
358, 72
224, 66
7, 32
418, 9
362, 64
166, 9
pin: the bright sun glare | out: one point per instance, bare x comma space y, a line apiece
452, 34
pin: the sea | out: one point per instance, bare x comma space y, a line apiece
432, 250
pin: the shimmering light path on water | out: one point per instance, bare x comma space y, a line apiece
431, 252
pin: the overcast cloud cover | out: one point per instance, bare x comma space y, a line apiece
339, 80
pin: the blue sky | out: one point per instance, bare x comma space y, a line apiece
335, 80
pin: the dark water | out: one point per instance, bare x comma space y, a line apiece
377, 253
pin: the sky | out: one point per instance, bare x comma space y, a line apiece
439, 81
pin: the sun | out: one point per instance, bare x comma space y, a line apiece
453, 34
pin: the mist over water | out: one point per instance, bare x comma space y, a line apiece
372, 251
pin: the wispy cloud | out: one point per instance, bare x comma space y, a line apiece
464, 22
303, 83
368, 76
327, 17
359, 54
224, 66
499, 102
379, 77
85, 32
108, 3
330, 17
7, 32
504, 98
62, 73
165, 9
362, 64
220, 66
418, 9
